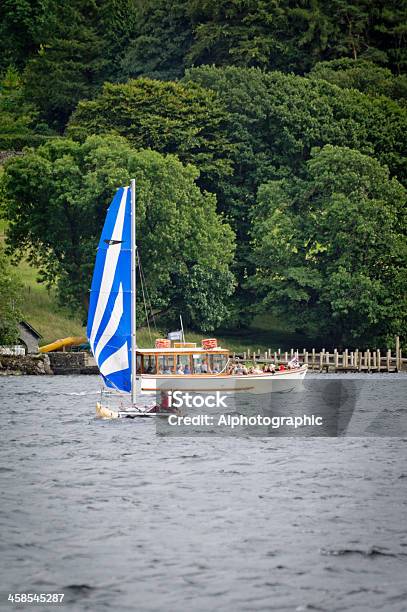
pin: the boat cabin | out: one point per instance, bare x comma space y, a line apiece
181, 359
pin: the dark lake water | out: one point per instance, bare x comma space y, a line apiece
118, 518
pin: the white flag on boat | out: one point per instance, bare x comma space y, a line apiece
175, 335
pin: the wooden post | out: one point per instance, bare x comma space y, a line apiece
352, 358
398, 364
336, 359
286, 357
358, 360
321, 358
279, 353
388, 359
327, 360
244, 355
345, 358
305, 357
275, 357
374, 355
368, 360
379, 360
291, 353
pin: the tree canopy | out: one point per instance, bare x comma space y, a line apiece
57, 198
330, 249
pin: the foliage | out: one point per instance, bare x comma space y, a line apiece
362, 75
71, 64
168, 117
285, 35
10, 302
56, 200
330, 249
274, 120
159, 41
23, 25
203, 297
19, 123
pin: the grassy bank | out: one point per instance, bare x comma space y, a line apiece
39, 306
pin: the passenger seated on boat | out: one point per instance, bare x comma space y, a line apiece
204, 367
294, 363
281, 367
187, 369
239, 370
167, 371
257, 370
272, 368
180, 369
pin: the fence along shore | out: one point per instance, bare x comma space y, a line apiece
369, 360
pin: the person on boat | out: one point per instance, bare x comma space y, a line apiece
231, 369
204, 367
187, 369
281, 367
239, 370
272, 368
293, 364
180, 369
266, 369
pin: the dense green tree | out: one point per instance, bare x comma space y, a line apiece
294, 35
330, 250
19, 122
23, 26
55, 202
10, 302
68, 68
159, 41
74, 57
363, 75
274, 120
169, 117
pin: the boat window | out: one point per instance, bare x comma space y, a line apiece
138, 364
201, 364
183, 364
166, 364
149, 364
217, 363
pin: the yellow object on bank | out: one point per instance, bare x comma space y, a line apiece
62, 343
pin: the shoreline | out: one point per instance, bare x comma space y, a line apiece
81, 363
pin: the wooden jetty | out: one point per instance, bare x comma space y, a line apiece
369, 360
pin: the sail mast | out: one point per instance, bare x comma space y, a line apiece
133, 293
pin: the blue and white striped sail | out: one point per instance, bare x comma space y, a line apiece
109, 318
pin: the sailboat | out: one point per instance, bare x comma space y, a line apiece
112, 333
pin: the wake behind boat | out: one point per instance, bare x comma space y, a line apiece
112, 329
